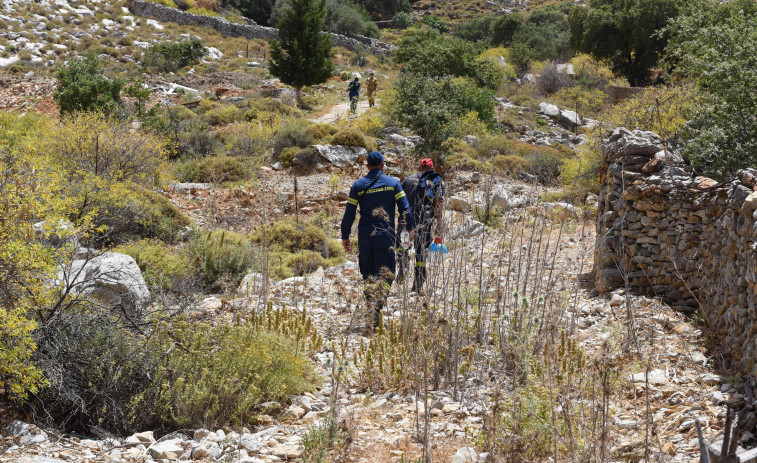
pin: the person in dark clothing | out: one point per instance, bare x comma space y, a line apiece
354, 94
376, 194
424, 191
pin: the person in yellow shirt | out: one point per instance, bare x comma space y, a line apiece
371, 86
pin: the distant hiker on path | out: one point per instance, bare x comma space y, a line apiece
354, 94
376, 194
371, 86
424, 192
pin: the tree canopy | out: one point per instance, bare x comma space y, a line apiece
303, 54
625, 33
257, 10
716, 45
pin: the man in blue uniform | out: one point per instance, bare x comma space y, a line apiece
354, 94
424, 193
376, 194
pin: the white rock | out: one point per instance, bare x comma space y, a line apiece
465, 455
170, 449
617, 300
398, 139
155, 24
112, 277
266, 434
458, 203
549, 109
656, 377
26, 433
214, 54
710, 379
8, 61
201, 434
250, 443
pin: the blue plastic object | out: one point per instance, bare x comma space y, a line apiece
438, 246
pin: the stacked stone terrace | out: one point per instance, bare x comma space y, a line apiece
251, 31
687, 240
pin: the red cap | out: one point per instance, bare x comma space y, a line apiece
427, 163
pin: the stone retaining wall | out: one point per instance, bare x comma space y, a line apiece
687, 240
252, 31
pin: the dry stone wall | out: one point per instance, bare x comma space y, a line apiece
251, 31
685, 239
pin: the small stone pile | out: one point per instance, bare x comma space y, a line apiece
685, 239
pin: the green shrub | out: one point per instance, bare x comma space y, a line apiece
474, 29
289, 236
222, 258
223, 114
287, 155
260, 108
350, 137
344, 18
161, 266
291, 134
434, 107
222, 373
320, 131
297, 249
95, 364
169, 57
215, 169
82, 86
545, 166
199, 142
424, 51
402, 20
434, 22
510, 163
124, 211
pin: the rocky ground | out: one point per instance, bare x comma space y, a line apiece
665, 380
683, 383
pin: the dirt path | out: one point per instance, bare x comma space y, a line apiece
342, 111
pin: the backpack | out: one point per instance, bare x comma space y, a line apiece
430, 182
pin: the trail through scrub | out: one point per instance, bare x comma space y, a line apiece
342, 111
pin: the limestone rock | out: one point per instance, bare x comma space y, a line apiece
341, 156
115, 278
252, 284
549, 109
465, 455
26, 433
167, 450
250, 443
287, 451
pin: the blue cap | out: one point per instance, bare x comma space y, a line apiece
375, 158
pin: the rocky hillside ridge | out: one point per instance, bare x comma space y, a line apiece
149, 9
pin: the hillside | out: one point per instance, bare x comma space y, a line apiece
174, 286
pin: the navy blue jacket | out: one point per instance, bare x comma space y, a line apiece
354, 89
383, 195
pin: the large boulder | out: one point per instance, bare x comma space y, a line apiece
500, 198
341, 156
569, 118
111, 277
321, 157
549, 109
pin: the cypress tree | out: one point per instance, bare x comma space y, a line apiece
303, 54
